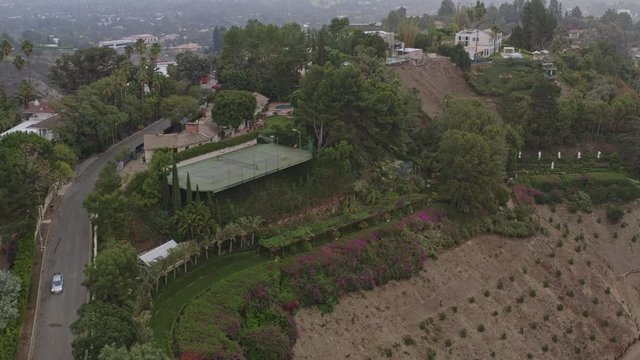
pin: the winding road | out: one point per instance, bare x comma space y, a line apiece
67, 251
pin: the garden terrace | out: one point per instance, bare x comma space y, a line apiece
325, 229
237, 167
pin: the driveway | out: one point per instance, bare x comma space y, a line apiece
67, 251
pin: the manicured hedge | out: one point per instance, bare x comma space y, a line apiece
209, 147
343, 223
22, 268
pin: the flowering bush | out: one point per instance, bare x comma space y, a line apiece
266, 343
524, 195
321, 277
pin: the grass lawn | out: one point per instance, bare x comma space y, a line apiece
277, 120
179, 292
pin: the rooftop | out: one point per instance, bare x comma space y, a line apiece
157, 253
173, 141
36, 106
48, 123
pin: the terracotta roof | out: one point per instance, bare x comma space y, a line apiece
49, 123
39, 107
173, 141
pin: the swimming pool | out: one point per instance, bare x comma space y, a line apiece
284, 107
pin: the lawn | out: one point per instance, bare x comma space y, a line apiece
179, 292
277, 120
505, 76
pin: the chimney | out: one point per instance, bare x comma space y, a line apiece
192, 128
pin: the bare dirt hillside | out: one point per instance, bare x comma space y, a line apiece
434, 80
553, 297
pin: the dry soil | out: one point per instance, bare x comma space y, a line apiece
552, 303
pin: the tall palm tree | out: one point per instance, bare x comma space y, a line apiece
5, 49
154, 53
143, 79
477, 14
27, 50
18, 62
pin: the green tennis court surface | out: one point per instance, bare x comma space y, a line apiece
237, 167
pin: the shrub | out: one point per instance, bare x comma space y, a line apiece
408, 340
481, 328
500, 285
210, 147
472, 300
560, 307
545, 348
431, 354
532, 293
325, 274
615, 213
503, 336
266, 343
454, 309
554, 338
463, 333
448, 343
486, 293
442, 316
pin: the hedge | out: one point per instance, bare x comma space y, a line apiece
22, 268
213, 146
346, 222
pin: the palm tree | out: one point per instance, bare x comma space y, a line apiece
143, 79
5, 49
128, 51
27, 49
154, 53
253, 223
230, 232
477, 16
18, 62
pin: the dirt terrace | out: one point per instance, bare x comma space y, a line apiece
404, 320
434, 80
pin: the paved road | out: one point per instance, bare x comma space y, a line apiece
67, 252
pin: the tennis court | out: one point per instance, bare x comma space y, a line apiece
237, 167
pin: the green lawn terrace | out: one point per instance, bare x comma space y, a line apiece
225, 171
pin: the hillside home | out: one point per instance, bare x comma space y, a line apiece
196, 133
389, 38
38, 118
479, 43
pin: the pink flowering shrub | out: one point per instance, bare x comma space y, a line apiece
321, 277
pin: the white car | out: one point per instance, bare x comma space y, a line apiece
57, 283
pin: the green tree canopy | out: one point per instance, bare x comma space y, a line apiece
263, 58
101, 324
447, 8
137, 352
470, 170
178, 107
195, 221
9, 292
233, 107
192, 67
112, 278
84, 67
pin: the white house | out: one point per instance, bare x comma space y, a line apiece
39, 118
479, 43
120, 44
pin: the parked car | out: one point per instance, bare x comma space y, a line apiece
57, 283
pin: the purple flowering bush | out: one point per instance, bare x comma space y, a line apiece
321, 277
524, 195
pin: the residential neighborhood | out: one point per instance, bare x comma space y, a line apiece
320, 180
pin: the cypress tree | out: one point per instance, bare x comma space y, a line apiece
188, 190
198, 193
175, 187
166, 194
